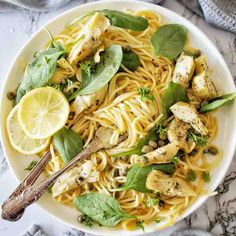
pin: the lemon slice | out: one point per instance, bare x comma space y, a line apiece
19, 140
42, 112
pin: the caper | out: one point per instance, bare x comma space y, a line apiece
143, 160
146, 149
11, 95
152, 144
124, 158
193, 152
161, 143
80, 218
163, 136
114, 172
212, 150
126, 48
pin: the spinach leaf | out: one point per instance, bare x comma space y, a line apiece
126, 21
40, 70
137, 176
104, 71
174, 93
130, 60
101, 208
153, 135
169, 40
218, 102
67, 143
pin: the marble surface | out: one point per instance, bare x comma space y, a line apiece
217, 215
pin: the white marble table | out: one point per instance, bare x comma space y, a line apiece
218, 214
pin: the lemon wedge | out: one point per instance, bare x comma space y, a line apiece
19, 140
42, 112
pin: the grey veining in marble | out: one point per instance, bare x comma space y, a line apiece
217, 215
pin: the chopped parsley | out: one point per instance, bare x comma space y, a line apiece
206, 177
158, 220
198, 139
175, 159
191, 177
31, 165
151, 201
87, 221
161, 129
145, 94
140, 225
88, 67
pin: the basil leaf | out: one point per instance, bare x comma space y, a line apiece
153, 135
40, 70
104, 71
174, 93
101, 208
67, 143
218, 102
137, 176
169, 40
130, 60
126, 21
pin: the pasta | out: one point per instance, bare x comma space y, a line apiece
124, 112
126, 89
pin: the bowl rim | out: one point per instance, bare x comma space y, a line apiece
201, 199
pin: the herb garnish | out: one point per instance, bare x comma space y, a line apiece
206, 177
145, 94
31, 165
200, 140
191, 177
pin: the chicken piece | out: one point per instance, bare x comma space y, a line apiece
183, 70
177, 132
86, 173
91, 38
63, 71
170, 186
202, 85
188, 114
83, 102
160, 155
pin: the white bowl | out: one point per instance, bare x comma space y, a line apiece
226, 137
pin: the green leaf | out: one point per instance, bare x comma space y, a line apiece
145, 94
152, 202
104, 72
153, 135
191, 177
206, 177
200, 140
88, 67
137, 176
67, 143
126, 21
175, 159
101, 208
130, 60
174, 93
218, 102
169, 40
31, 165
140, 225
40, 70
